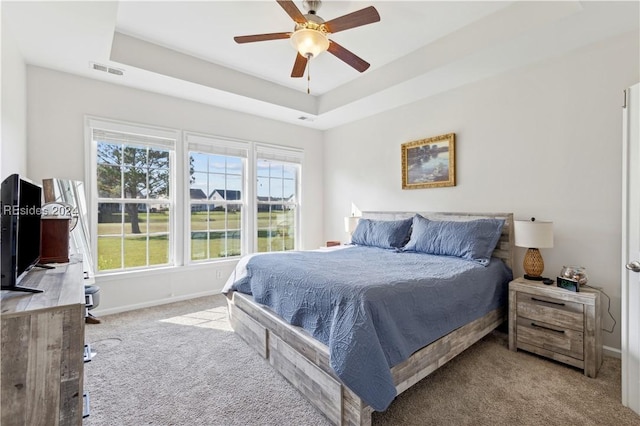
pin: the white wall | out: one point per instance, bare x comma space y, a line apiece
544, 141
13, 150
57, 104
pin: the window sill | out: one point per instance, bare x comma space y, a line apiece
118, 275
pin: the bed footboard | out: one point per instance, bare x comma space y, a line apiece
304, 361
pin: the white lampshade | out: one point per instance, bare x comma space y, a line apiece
309, 43
350, 223
533, 234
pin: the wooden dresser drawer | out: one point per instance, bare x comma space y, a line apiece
547, 336
559, 313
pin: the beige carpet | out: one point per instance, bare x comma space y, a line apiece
180, 364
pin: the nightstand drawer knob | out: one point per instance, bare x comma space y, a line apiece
547, 301
533, 324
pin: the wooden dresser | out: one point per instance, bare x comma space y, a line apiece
43, 347
556, 323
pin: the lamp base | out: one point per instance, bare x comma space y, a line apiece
533, 264
533, 277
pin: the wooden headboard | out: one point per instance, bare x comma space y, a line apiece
504, 249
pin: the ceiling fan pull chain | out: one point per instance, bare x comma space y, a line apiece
308, 77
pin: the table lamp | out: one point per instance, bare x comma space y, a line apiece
350, 224
533, 235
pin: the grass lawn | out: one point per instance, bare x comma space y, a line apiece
274, 234
158, 222
135, 252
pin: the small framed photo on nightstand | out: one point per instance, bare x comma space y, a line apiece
568, 284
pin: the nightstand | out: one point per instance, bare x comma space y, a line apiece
556, 323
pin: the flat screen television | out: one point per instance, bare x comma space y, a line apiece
21, 231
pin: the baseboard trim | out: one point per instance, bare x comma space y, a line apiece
612, 352
151, 303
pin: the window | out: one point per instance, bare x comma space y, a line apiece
229, 197
277, 200
216, 197
133, 198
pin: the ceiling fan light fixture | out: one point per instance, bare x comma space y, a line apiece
309, 42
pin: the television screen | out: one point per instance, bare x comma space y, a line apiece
20, 237
28, 237
10, 190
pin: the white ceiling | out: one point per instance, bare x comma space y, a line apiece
418, 49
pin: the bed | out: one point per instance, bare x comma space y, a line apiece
381, 353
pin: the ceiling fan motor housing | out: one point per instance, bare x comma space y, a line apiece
311, 6
310, 38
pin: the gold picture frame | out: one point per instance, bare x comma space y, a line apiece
429, 163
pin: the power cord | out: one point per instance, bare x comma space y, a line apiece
608, 307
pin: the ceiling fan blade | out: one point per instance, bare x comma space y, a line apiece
292, 11
261, 37
348, 57
365, 16
299, 66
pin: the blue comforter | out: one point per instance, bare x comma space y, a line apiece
372, 307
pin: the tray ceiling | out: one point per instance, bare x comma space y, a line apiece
418, 49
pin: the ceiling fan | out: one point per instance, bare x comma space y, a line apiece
310, 35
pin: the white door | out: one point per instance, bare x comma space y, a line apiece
631, 251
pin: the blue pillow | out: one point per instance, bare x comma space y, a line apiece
382, 233
473, 240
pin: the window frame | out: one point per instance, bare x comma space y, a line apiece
285, 155
91, 169
208, 144
180, 205
296, 204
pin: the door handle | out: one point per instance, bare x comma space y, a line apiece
633, 266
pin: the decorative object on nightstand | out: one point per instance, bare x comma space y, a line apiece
350, 224
555, 323
576, 273
533, 235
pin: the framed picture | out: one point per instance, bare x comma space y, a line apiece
429, 163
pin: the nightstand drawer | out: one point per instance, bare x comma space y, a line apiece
558, 313
550, 337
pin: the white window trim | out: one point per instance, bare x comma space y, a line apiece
221, 146
91, 172
181, 252
277, 153
282, 154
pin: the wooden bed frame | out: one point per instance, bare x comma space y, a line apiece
304, 361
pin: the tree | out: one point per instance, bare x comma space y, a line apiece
132, 173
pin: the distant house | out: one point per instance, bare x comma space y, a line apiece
225, 195
263, 207
107, 210
265, 204
197, 194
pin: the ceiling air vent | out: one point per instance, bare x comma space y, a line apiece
305, 118
105, 68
